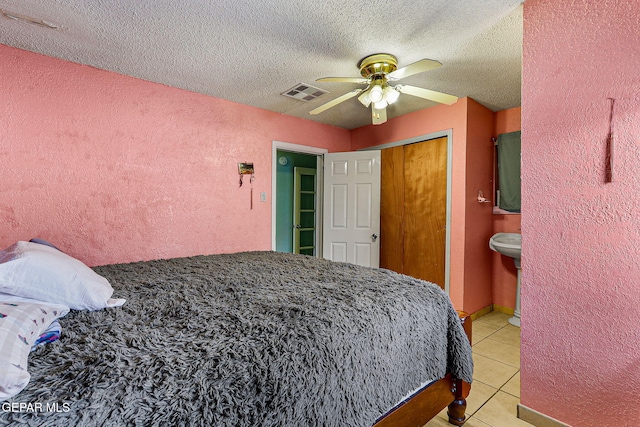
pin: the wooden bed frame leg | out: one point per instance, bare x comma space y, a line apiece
458, 407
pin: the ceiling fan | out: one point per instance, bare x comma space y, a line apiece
377, 72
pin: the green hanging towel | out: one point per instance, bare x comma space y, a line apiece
509, 171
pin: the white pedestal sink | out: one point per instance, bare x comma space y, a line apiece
510, 244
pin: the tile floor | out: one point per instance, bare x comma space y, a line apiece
495, 391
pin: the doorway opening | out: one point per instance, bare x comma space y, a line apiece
296, 198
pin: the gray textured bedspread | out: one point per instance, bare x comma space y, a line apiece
248, 339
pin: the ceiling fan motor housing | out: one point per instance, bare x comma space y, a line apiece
378, 64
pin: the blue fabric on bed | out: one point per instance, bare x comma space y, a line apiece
51, 334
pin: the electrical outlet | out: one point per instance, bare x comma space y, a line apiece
263, 196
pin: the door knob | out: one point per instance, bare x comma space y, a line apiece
374, 237
298, 226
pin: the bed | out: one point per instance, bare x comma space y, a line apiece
252, 339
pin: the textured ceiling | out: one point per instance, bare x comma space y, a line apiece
250, 51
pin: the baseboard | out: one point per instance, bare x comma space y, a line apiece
490, 308
538, 419
481, 312
505, 310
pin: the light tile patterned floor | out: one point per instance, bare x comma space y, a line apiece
495, 391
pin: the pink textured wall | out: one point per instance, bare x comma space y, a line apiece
470, 281
508, 121
581, 263
115, 169
504, 271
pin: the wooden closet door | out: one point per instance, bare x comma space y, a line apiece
425, 209
392, 209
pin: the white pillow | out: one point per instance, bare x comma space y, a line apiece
21, 323
43, 273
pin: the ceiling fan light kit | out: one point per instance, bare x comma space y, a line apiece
377, 71
375, 94
390, 95
365, 98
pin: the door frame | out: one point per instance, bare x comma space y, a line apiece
435, 135
296, 148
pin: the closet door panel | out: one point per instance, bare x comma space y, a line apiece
392, 209
425, 202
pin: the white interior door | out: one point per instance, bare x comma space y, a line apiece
351, 225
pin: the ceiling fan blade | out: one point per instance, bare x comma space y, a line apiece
335, 102
359, 80
378, 116
431, 95
415, 68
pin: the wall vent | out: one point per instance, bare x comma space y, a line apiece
304, 92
